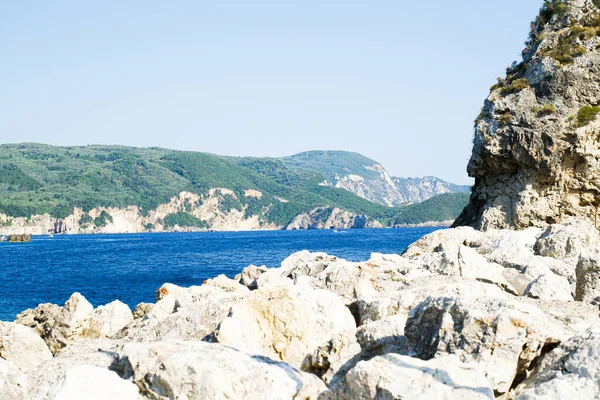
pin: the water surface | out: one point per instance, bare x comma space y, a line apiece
130, 267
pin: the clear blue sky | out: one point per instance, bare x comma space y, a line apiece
398, 81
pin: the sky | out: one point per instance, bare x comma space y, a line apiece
398, 81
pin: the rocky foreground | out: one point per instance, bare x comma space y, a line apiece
462, 314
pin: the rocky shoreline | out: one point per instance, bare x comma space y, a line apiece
461, 314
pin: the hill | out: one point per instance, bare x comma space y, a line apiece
368, 178
164, 186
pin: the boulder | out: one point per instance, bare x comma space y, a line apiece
13, 383
100, 353
105, 321
92, 383
332, 360
41, 319
249, 274
418, 290
184, 313
474, 266
141, 310
588, 275
21, 346
566, 240
71, 323
550, 287
571, 371
503, 336
284, 323
226, 285
306, 263
394, 376
199, 370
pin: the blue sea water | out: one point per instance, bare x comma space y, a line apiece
130, 267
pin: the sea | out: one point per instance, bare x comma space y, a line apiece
130, 267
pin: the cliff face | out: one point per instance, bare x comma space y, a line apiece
378, 189
207, 208
394, 191
331, 218
536, 149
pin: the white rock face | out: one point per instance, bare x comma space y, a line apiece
330, 218
550, 287
198, 370
93, 383
249, 275
588, 275
571, 371
332, 360
502, 335
394, 376
566, 240
284, 323
22, 346
100, 353
184, 313
107, 320
71, 322
41, 319
13, 383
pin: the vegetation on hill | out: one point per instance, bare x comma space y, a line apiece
331, 163
38, 179
439, 208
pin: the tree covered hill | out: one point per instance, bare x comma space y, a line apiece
36, 179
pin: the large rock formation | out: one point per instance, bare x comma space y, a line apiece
535, 154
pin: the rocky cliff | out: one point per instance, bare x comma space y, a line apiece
369, 179
183, 213
332, 218
536, 150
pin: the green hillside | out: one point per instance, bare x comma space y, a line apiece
38, 179
438, 208
331, 163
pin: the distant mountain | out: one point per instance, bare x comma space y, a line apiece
417, 190
369, 179
126, 189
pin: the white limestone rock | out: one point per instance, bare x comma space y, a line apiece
588, 275
41, 318
199, 370
566, 240
550, 287
184, 313
249, 274
13, 383
394, 376
571, 371
474, 266
92, 383
332, 360
21, 346
305, 263
107, 320
72, 322
100, 353
503, 336
284, 323
418, 290
141, 310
